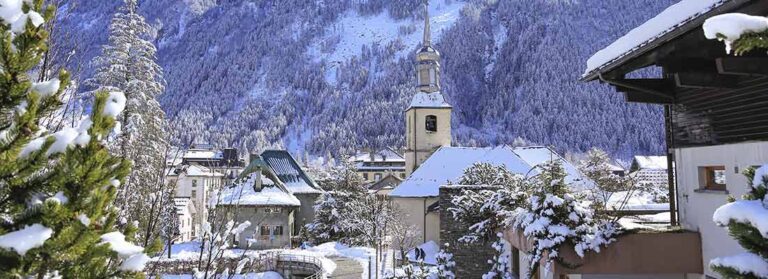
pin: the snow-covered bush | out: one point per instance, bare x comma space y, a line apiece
747, 222
445, 264
501, 261
487, 209
554, 217
542, 207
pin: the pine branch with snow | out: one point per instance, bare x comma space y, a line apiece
747, 222
56, 189
741, 33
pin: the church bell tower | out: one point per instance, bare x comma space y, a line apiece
428, 118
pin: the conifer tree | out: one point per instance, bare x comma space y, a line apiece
56, 188
747, 223
127, 64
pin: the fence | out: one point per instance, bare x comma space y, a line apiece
289, 265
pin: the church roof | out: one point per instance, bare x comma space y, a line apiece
447, 165
429, 100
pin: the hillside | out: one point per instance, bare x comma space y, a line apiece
334, 76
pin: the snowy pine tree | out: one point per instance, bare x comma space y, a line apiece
747, 223
127, 63
56, 188
326, 226
445, 264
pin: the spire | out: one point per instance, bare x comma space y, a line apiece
427, 37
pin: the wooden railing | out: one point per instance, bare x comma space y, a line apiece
303, 266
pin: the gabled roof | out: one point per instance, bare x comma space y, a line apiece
429, 100
289, 172
243, 193
387, 182
447, 164
667, 25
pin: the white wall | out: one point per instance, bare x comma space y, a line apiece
205, 184
412, 213
696, 207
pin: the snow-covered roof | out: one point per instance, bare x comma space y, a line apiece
271, 194
650, 162
196, 170
429, 100
537, 155
666, 21
384, 155
202, 154
447, 164
289, 172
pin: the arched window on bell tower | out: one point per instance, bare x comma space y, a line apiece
431, 123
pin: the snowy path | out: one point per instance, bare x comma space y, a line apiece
346, 268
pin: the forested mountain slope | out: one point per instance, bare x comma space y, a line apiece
335, 76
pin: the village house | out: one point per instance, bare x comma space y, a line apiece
297, 182
716, 127
260, 198
375, 165
195, 182
185, 211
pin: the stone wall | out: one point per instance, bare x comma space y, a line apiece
471, 259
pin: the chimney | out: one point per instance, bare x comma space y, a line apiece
257, 179
230, 156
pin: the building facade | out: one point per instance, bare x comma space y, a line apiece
715, 121
375, 165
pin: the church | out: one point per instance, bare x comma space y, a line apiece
432, 162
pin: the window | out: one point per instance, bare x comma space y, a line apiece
431, 123
402, 175
273, 210
278, 230
365, 176
377, 177
264, 230
712, 178
194, 193
194, 182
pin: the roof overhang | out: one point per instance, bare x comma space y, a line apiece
650, 52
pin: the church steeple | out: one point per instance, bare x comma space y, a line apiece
428, 60
427, 41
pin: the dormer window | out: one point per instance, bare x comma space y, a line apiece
431, 123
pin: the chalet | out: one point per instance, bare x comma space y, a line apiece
373, 166
293, 177
259, 197
716, 126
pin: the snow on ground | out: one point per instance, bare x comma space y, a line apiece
260, 275
637, 201
430, 250
654, 28
191, 250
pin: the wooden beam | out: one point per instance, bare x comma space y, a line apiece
704, 80
634, 96
742, 66
690, 64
